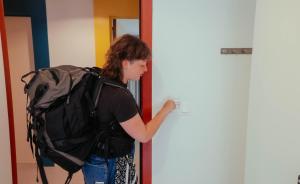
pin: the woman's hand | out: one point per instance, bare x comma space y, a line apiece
169, 106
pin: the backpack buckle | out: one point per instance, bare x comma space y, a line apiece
92, 113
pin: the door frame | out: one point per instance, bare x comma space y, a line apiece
146, 92
8, 97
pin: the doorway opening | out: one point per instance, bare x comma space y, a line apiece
146, 81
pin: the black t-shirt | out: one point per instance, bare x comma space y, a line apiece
116, 105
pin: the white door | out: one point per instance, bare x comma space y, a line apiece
131, 26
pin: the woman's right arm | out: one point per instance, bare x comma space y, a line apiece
142, 132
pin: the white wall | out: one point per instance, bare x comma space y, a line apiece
207, 144
273, 148
71, 32
5, 159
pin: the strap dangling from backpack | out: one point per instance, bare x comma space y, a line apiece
40, 164
27, 74
69, 178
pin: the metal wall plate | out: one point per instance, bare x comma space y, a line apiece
236, 50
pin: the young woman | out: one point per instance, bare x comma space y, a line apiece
119, 116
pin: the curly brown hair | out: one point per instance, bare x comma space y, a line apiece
127, 47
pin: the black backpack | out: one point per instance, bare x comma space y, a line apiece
61, 115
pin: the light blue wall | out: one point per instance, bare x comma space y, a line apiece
273, 146
207, 143
127, 26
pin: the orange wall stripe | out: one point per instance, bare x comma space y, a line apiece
104, 11
9, 97
146, 90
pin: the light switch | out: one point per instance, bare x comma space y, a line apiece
177, 103
184, 108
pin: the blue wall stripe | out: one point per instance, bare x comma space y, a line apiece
39, 33
17, 8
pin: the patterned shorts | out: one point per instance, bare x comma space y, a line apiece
120, 170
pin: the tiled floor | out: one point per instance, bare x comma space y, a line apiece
27, 175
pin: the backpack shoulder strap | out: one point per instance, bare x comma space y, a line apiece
112, 83
93, 100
